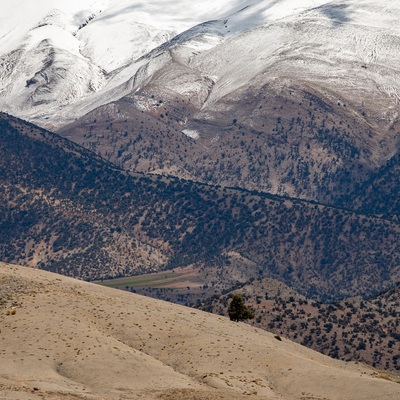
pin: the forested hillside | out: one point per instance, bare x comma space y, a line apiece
66, 210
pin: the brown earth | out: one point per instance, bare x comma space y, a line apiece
66, 339
357, 329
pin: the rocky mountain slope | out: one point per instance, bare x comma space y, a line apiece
299, 100
67, 339
65, 209
304, 105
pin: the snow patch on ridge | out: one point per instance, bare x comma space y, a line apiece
191, 133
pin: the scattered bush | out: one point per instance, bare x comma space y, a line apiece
237, 311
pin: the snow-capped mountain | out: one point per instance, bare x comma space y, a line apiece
54, 53
316, 80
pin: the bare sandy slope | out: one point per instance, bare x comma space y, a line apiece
70, 340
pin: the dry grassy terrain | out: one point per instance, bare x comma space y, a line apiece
364, 329
66, 339
357, 329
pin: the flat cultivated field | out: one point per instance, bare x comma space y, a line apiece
179, 278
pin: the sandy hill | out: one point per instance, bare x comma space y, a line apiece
66, 339
364, 329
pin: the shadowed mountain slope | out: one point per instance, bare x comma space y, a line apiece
66, 210
380, 193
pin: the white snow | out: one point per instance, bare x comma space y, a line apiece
191, 133
80, 54
122, 30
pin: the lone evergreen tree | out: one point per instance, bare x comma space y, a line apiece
237, 311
